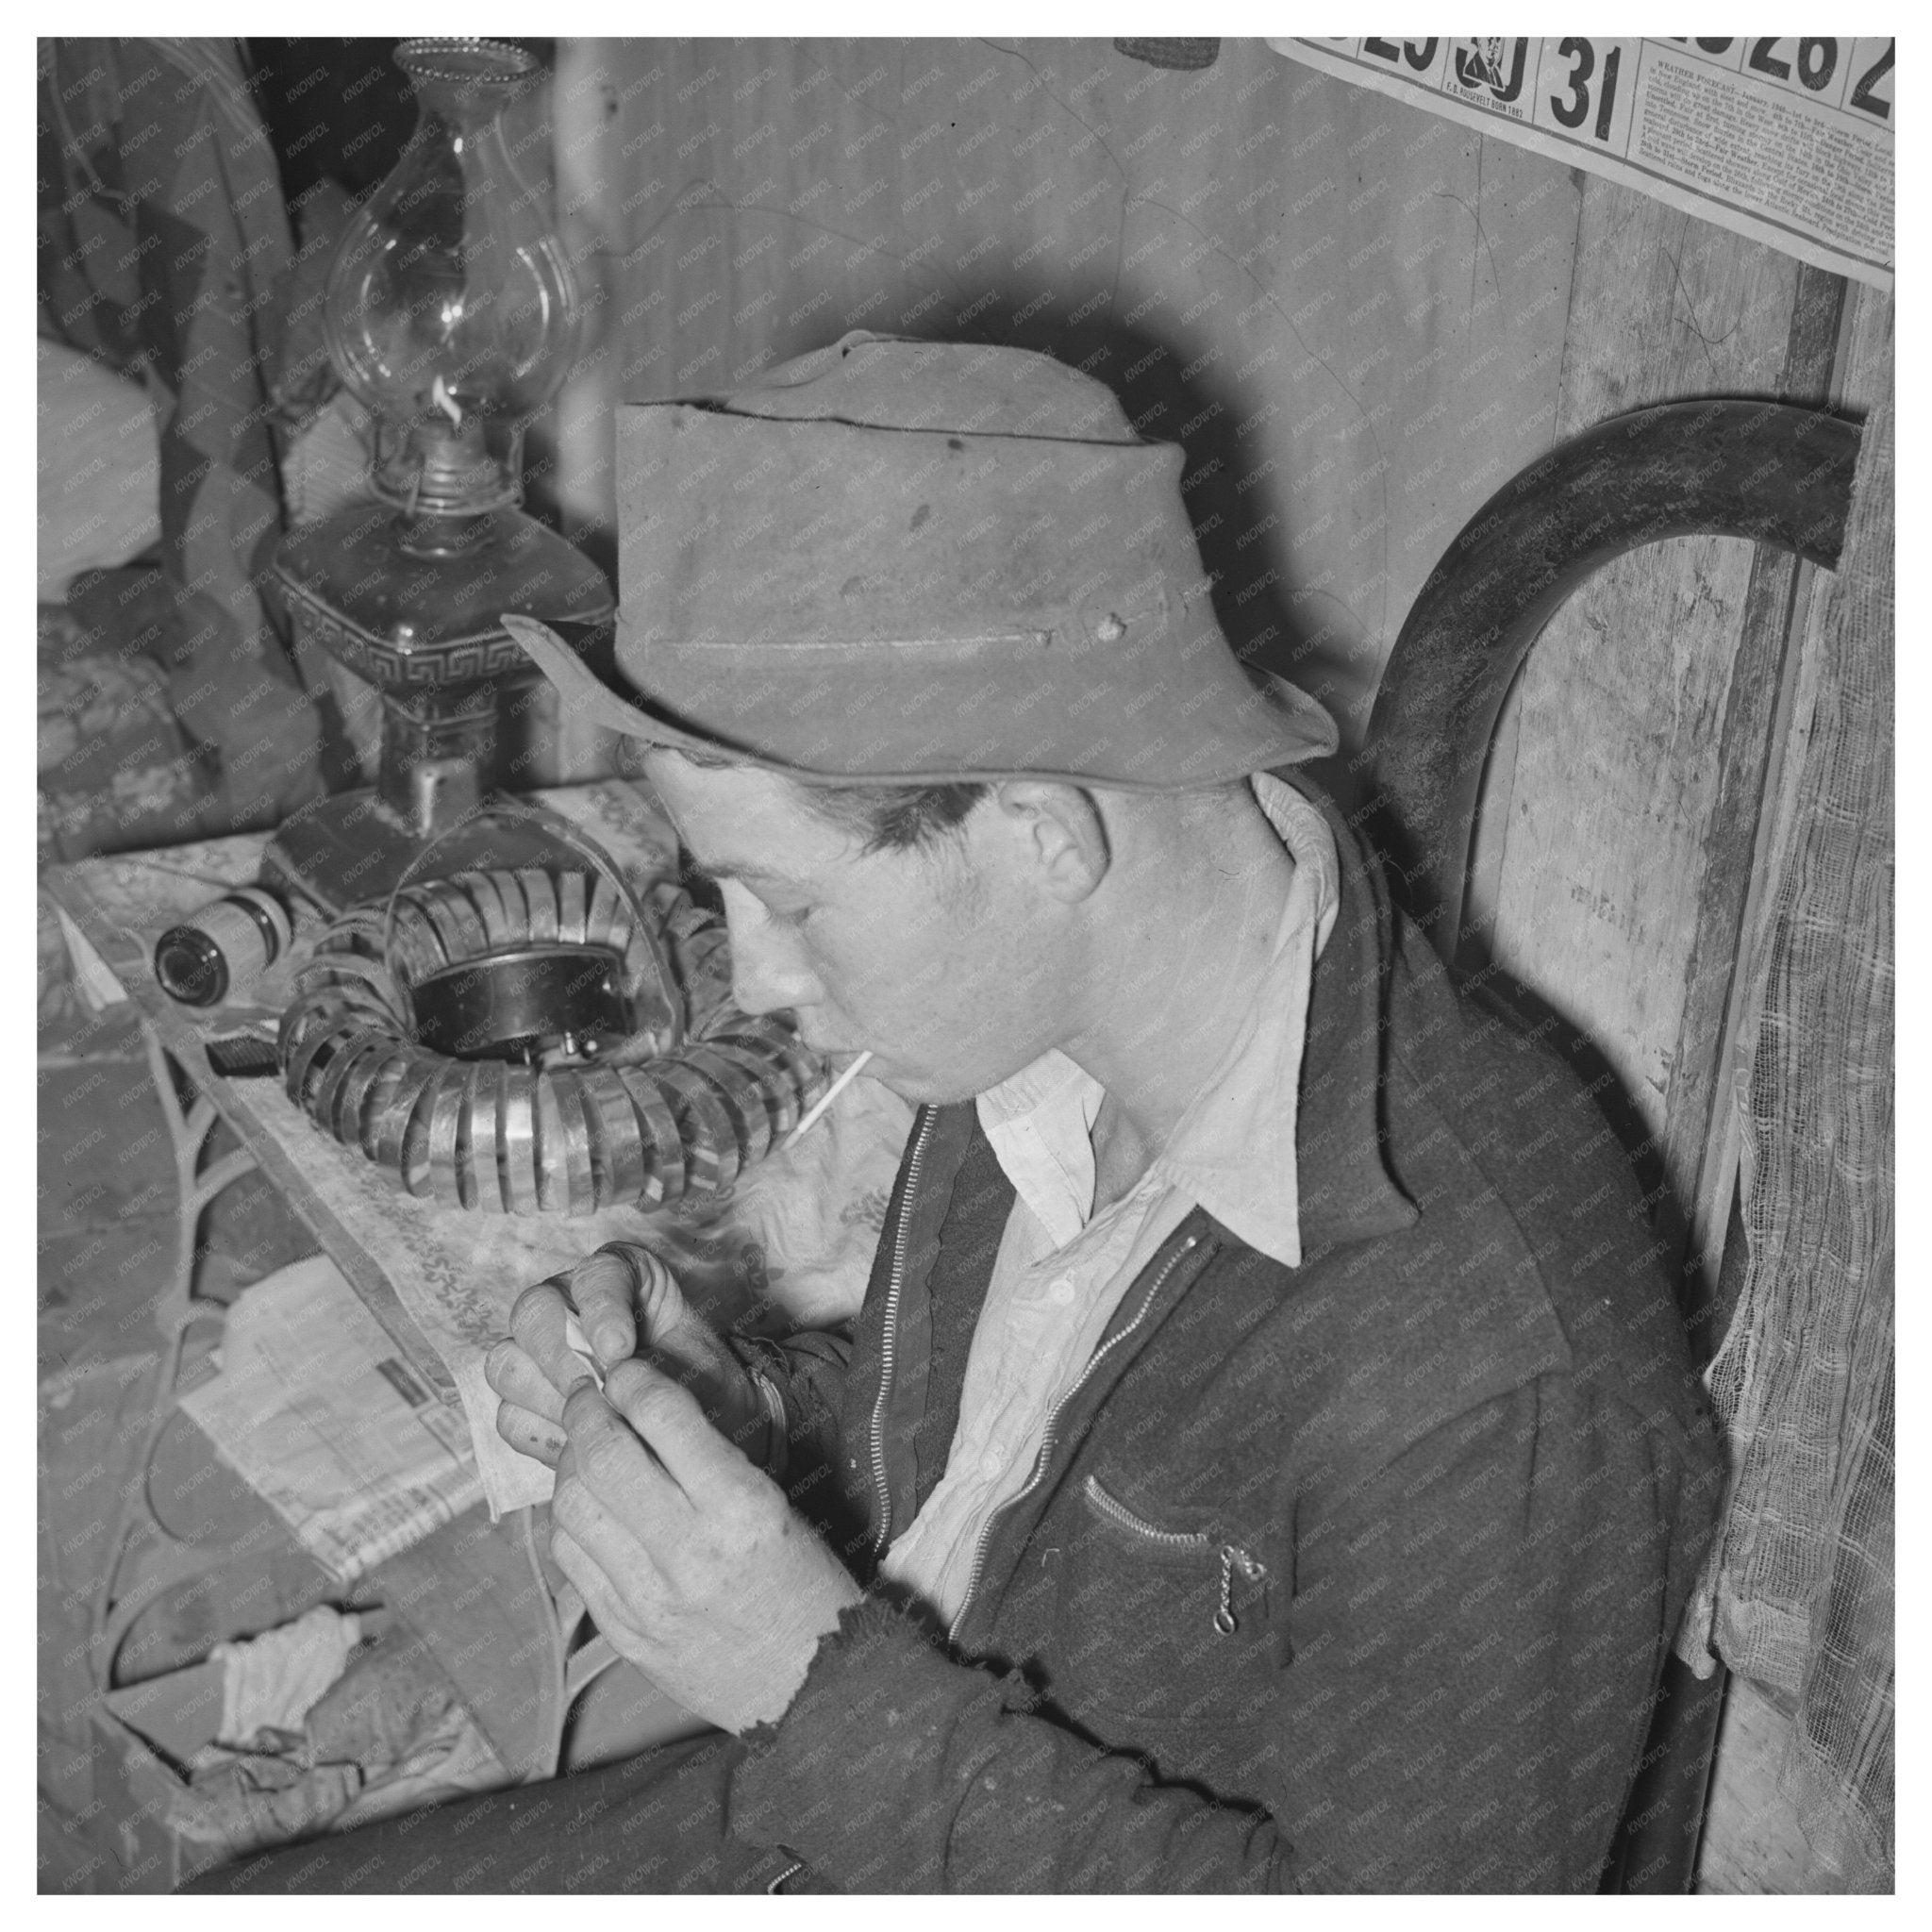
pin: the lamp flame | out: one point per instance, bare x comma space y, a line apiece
440, 396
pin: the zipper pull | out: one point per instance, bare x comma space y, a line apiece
1233, 1557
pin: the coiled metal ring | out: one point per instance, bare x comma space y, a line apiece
502, 1139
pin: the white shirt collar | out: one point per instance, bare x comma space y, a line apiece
1233, 1151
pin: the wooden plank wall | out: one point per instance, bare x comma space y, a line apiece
1622, 800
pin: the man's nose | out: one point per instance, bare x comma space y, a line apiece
767, 975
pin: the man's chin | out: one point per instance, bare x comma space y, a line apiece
919, 1088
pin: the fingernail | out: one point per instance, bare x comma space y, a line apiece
608, 1343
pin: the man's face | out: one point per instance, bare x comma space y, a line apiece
939, 961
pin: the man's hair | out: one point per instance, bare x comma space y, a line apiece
884, 818
896, 818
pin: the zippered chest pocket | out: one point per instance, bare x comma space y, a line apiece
1156, 1620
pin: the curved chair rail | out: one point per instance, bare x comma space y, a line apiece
1773, 472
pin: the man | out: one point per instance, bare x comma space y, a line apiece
1265, 1458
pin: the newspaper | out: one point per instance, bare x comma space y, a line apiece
1786, 140
311, 1407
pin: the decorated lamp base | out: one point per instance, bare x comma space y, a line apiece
412, 604
345, 850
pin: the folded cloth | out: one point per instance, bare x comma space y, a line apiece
383, 1735
271, 1682
116, 771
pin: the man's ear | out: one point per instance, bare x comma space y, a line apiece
1061, 832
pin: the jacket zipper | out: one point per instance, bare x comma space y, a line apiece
896, 1283
1046, 1441
1119, 1512
1233, 1557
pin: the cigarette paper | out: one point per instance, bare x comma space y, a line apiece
580, 1343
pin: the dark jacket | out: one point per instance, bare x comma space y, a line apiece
1357, 1576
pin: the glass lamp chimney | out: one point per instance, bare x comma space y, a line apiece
451, 312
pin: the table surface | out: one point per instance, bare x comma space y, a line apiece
440, 1280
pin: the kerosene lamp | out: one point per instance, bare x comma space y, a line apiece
452, 315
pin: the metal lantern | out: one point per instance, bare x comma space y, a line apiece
453, 316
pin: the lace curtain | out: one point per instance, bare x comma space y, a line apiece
1798, 1592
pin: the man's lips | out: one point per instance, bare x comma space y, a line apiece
842, 1056
812, 1044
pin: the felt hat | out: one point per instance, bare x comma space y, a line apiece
895, 561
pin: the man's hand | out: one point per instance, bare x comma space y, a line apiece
693, 1562
621, 1297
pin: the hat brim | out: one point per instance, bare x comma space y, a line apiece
1278, 725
